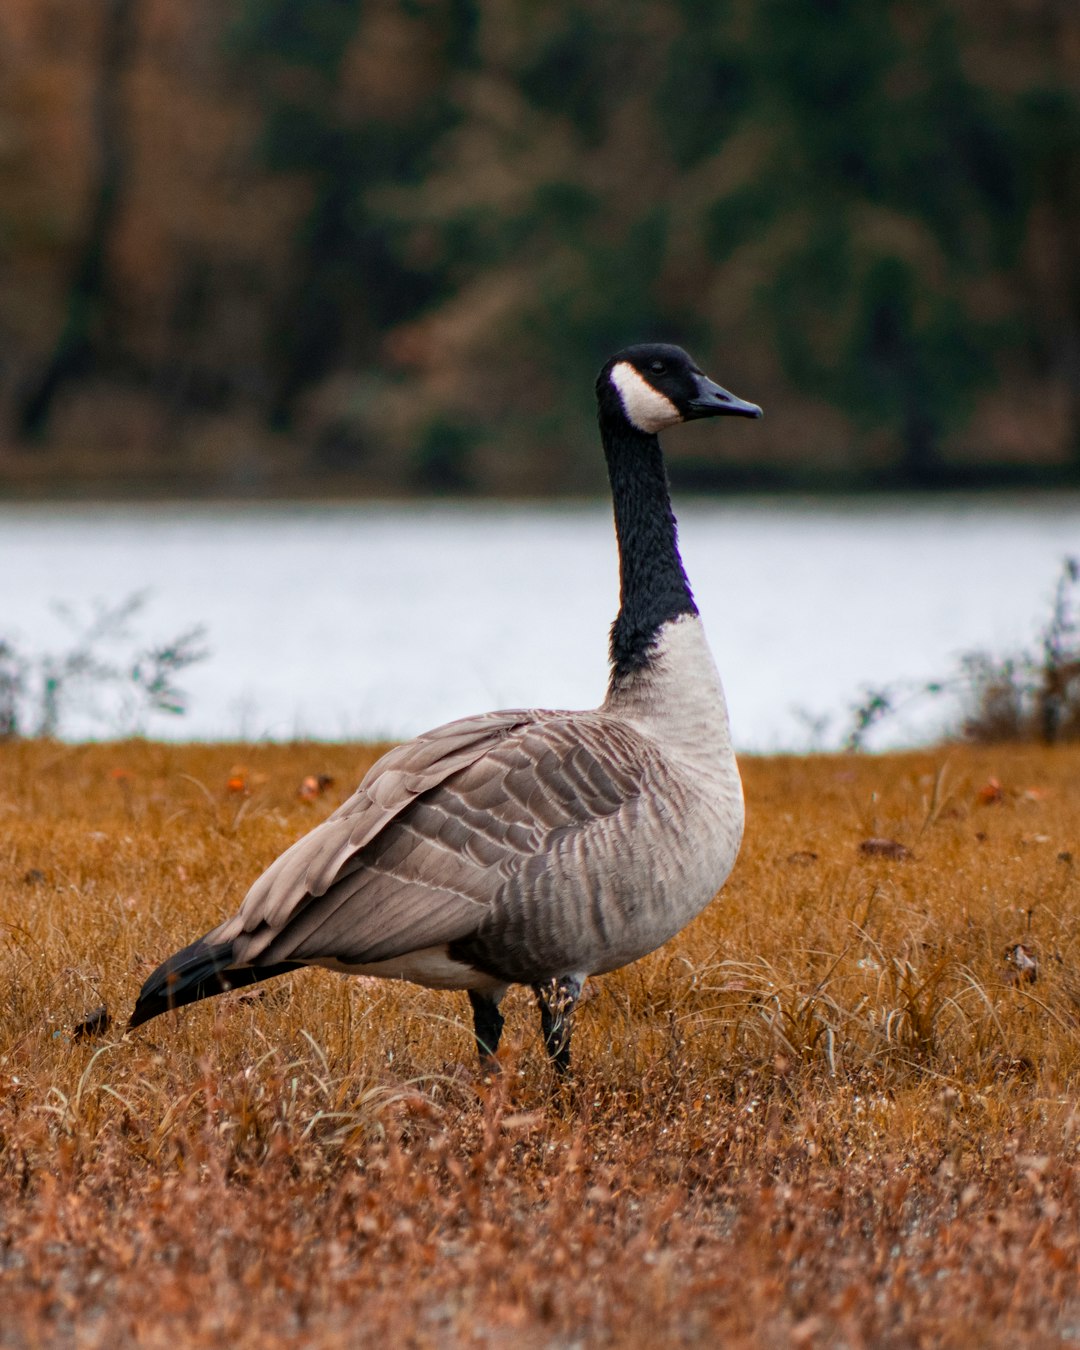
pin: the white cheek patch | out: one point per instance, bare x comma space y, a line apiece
645, 407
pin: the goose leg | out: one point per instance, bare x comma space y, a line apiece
487, 1024
557, 999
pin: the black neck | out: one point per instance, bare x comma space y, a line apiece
653, 585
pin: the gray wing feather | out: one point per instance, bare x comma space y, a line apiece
332, 851
439, 830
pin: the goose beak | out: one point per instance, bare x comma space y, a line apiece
712, 401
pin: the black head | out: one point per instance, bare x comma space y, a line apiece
655, 385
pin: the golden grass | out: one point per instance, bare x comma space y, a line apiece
831, 1113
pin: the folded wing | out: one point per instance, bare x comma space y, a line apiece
437, 834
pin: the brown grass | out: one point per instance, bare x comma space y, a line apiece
831, 1113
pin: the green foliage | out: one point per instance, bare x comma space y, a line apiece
869, 210
442, 458
352, 280
559, 74
904, 181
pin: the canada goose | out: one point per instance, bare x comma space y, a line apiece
526, 847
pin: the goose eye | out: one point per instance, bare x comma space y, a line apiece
657, 367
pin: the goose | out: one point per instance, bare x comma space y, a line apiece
528, 846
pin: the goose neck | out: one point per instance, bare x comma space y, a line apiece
653, 588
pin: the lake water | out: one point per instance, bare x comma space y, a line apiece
371, 620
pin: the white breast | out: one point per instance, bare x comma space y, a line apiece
678, 700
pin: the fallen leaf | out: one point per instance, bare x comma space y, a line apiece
523, 1120
1012, 1065
313, 786
243, 995
1023, 963
885, 848
990, 793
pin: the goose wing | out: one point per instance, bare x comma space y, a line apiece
438, 831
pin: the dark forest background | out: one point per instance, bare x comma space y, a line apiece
383, 245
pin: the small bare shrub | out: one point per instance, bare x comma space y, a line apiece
1028, 696
105, 671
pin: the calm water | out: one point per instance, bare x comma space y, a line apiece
366, 621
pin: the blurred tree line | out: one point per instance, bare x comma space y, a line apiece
259, 244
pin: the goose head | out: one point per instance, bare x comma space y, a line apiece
654, 385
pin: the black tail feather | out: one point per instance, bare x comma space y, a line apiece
199, 971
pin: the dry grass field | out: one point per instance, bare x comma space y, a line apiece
839, 1110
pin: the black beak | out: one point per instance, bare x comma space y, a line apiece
712, 401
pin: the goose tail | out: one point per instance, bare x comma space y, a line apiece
197, 972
